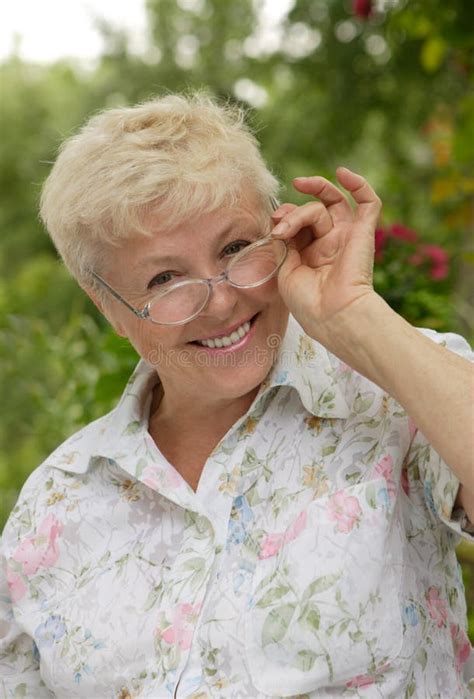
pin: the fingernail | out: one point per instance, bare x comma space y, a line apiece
280, 229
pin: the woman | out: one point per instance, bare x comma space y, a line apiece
272, 508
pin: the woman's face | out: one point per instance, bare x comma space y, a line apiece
199, 249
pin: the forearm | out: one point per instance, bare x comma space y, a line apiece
434, 385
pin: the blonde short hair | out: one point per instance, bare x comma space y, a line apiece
178, 156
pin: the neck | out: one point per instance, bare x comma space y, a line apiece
179, 414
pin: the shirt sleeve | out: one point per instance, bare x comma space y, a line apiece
19, 659
20, 675
440, 484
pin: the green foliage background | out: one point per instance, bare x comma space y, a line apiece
389, 95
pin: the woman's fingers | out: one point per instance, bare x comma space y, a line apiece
333, 199
368, 203
313, 215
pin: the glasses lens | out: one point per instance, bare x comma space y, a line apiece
179, 304
258, 263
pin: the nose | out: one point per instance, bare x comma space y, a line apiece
222, 302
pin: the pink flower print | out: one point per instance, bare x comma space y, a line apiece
360, 681
461, 645
180, 631
271, 545
405, 482
151, 477
273, 542
385, 468
33, 553
345, 510
42, 549
437, 607
296, 528
16, 585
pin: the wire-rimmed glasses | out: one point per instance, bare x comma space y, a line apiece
183, 301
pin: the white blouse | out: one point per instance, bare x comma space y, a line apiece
316, 558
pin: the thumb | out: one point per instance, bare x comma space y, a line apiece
292, 262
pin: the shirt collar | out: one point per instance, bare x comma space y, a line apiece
321, 379
302, 364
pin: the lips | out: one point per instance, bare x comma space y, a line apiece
225, 333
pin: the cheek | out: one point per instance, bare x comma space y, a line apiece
153, 342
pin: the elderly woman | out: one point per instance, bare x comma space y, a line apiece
272, 508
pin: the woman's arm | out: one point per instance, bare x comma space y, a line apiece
326, 282
433, 384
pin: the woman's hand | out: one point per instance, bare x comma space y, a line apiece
331, 248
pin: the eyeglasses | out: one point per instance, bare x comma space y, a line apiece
183, 301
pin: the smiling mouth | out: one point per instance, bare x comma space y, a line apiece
227, 340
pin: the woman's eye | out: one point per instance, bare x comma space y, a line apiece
162, 278
235, 247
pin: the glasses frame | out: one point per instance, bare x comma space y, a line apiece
144, 314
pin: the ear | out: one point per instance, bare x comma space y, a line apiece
107, 311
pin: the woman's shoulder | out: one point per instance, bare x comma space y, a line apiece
70, 459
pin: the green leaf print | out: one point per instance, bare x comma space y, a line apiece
20, 691
141, 465
321, 584
422, 657
153, 597
276, 624
132, 427
328, 450
363, 402
312, 618
250, 459
370, 496
356, 636
305, 660
272, 595
196, 564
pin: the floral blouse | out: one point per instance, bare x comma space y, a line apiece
315, 560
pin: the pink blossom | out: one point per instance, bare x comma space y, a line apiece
437, 607
398, 230
42, 549
439, 259
381, 238
360, 681
362, 8
461, 645
345, 510
385, 469
437, 256
180, 631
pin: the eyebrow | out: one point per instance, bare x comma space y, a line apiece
170, 259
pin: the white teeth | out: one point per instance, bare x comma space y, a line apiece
227, 340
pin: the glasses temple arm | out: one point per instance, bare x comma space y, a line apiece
116, 295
